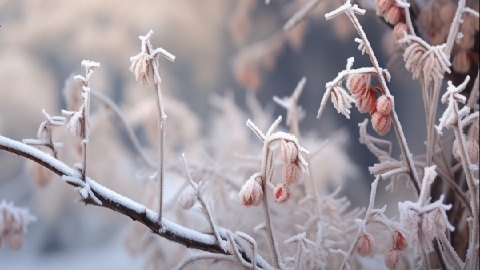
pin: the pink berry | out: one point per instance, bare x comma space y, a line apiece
392, 257
281, 193
384, 105
365, 245
400, 241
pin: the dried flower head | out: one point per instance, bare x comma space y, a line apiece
291, 174
187, 200
384, 105
289, 151
281, 193
392, 257
365, 244
400, 242
251, 192
357, 84
381, 123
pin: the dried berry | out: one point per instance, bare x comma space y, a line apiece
251, 192
357, 84
281, 193
289, 151
392, 257
365, 244
291, 174
400, 242
384, 105
380, 123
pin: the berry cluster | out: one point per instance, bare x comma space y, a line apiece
366, 243
394, 15
366, 101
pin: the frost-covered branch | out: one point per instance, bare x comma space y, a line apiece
118, 203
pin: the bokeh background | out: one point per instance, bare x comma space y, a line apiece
220, 47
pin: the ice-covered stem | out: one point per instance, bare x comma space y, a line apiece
83, 120
300, 15
143, 66
294, 112
205, 207
457, 120
118, 203
350, 11
105, 100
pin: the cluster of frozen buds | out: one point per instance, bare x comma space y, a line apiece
291, 172
13, 224
365, 98
394, 15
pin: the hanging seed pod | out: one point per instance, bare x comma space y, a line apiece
380, 123
281, 193
384, 105
400, 242
366, 103
392, 257
357, 84
289, 151
291, 174
251, 192
365, 244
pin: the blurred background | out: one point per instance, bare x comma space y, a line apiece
236, 48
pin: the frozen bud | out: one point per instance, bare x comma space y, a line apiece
380, 123
15, 240
366, 103
187, 200
251, 192
392, 257
394, 15
281, 193
289, 151
399, 29
291, 174
365, 244
383, 5
384, 105
357, 84
472, 150
461, 62
400, 242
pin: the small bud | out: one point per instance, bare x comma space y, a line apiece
366, 103
392, 257
357, 84
384, 105
289, 151
15, 240
281, 193
400, 242
251, 192
394, 15
187, 200
399, 29
365, 244
291, 174
472, 150
380, 123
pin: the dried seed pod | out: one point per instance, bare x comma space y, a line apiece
472, 150
365, 244
187, 200
394, 15
383, 5
289, 151
291, 174
392, 257
384, 105
399, 29
357, 84
251, 192
366, 103
400, 242
380, 123
281, 193
15, 240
